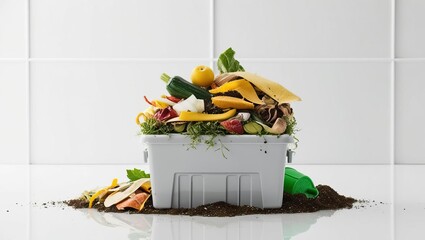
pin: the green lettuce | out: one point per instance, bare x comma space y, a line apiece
136, 174
227, 62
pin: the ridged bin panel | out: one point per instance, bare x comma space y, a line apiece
239, 170
235, 189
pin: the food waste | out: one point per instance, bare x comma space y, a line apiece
233, 101
130, 194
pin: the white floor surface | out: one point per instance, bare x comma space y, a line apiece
398, 210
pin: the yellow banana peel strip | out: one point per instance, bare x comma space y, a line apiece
102, 191
271, 88
231, 102
194, 116
243, 87
148, 113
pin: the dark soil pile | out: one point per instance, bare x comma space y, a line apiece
328, 199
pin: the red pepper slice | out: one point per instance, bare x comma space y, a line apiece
146, 99
173, 99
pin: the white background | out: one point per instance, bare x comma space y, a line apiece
73, 73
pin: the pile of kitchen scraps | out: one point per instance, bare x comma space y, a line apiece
328, 199
134, 196
234, 102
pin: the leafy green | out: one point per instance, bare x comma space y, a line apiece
227, 62
291, 126
136, 174
196, 129
154, 127
292, 129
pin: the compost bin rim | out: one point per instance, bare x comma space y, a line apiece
230, 139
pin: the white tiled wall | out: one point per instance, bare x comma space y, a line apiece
410, 112
119, 28
410, 26
304, 28
13, 28
13, 113
357, 64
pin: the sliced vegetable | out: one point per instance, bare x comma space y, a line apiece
190, 104
233, 126
244, 116
165, 114
278, 127
179, 127
178, 87
171, 98
117, 197
227, 62
231, 102
243, 87
273, 89
159, 103
136, 201
191, 116
252, 128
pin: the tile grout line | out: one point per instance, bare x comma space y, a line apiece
393, 116
28, 82
28, 94
122, 59
212, 34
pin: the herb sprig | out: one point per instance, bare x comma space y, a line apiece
196, 129
154, 127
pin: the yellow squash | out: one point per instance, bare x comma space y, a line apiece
273, 89
194, 116
243, 87
231, 102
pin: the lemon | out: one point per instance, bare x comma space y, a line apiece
202, 76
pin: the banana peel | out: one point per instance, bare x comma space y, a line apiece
193, 116
102, 192
273, 89
241, 86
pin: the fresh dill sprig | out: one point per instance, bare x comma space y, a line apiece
292, 129
196, 129
154, 127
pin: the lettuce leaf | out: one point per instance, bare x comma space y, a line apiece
227, 62
136, 174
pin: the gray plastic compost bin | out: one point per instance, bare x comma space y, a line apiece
239, 170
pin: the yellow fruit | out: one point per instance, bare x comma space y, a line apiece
202, 76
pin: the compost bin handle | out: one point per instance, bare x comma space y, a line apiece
289, 155
145, 155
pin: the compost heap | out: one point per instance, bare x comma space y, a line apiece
328, 199
233, 102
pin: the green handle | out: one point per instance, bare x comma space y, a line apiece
297, 183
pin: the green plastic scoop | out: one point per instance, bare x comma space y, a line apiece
296, 182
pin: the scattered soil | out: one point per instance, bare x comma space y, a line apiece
328, 199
